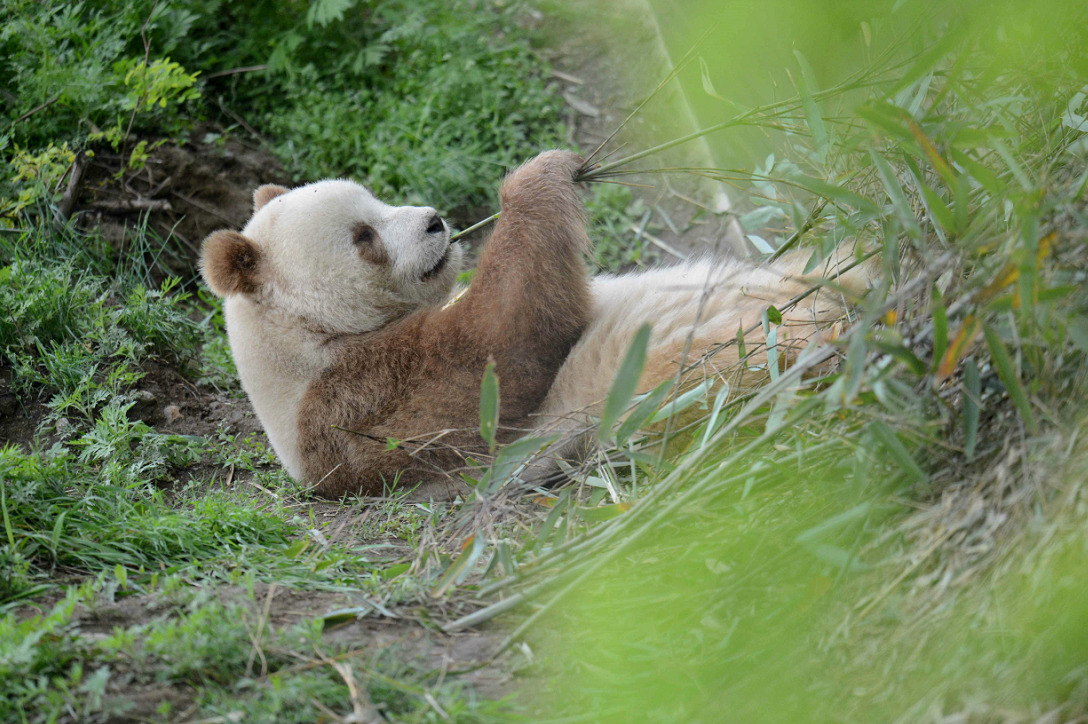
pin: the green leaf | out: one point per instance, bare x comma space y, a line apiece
772, 354
460, 568
683, 402
887, 117
812, 111
741, 350
836, 193
643, 411
602, 513
895, 447
489, 406
834, 522
626, 382
1005, 370
936, 206
895, 193
856, 353
977, 171
773, 315
972, 399
940, 326
516, 454
323, 12
58, 528
916, 366
712, 423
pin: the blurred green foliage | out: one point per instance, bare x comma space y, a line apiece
880, 547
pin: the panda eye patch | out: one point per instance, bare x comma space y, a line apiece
364, 234
368, 245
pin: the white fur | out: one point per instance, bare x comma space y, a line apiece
316, 285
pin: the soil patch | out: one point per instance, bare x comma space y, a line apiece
185, 192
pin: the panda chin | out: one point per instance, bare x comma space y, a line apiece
438, 267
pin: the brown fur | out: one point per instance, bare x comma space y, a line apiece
231, 263
266, 193
420, 376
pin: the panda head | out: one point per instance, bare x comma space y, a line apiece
333, 257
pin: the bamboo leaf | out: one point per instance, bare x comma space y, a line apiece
715, 412
682, 402
517, 453
626, 382
1007, 372
489, 405
977, 171
940, 325
602, 512
836, 193
972, 400
935, 158
895, 447
816, 126
887, 117
461, 566
959, 347
895, 193
836, 521
938, 209
643, 411
916, 366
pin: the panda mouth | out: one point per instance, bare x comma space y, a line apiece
438, 267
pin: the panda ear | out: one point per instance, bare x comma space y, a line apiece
266, 193
231, 264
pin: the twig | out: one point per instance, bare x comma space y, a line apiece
660, 243
261, 621
242, 122
75, 177
235, 71
202, 207
124, 206
362, 708
32, 111
478, 225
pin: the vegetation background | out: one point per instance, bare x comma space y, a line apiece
892, 528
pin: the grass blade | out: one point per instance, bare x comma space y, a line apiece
489, 405
626, 382
895, 447
1007, 372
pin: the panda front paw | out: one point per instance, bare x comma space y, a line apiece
547, 173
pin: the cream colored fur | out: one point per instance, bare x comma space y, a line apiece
691, 307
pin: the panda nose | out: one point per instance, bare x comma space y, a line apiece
435, 225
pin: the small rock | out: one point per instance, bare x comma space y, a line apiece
171, 413
7, 405
63, 426
146, 408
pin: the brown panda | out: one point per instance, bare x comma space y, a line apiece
337, 317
